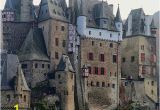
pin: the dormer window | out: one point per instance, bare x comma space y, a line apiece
89, 32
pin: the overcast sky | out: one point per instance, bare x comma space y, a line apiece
149, 6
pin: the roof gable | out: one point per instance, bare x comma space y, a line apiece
33, 47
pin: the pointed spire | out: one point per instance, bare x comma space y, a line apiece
8, 5
118, 15
152, 26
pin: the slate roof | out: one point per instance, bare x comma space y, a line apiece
10, 66
33, 47
55, 9
97, 9
8, 5
138, 22
65, 64
118, 16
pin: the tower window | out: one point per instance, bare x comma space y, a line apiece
8, 98
24, 98
113, 85
102, 71
96, 70
114, 58
89, 70
48, 66
64, 43
24, 66
132, 58
111, 45
142, 47
92, 83
62, 28
36, 65
110, 35
59, 76
100, 33
90, 56
102, 57
42, 65
56, 55
152, 83
103, 84
92, 43
97, 84
123, 59
57, 41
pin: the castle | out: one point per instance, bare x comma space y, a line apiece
70, 55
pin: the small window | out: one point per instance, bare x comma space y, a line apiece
89, 32
100, 33
8, 98
71, 76
89, 70
152, 83
24, 98
48, 66
59, 76
90, 56
108, 85
102, 57
114, 58
100, 44
92, 83
56, 27
103, 84
102, 71
42, 65
110, 35
96, 70
24, 66
123, 60
46, 11
36, 65
143, 70
152, 92
64, 43
62, 28
56, 55
57, 41
97, 84
142, 47
92, 43
132, 58
111, 45
113, 85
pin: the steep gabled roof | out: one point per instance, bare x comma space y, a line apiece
65, 64
52, 9
10, 73
33, 47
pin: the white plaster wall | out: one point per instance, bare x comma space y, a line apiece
95, 33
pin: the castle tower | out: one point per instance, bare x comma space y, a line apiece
118, 23
81, 19
65, 74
